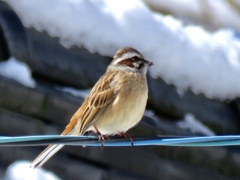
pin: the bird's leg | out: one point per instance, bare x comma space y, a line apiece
127, 136
100, 136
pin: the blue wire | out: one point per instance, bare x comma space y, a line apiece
157, 141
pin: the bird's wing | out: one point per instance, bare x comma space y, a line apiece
97, 101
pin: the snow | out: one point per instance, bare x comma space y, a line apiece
194, 125
223, 13
178, 7
21, 170
75, 92
18, 71
187, 56
212, 14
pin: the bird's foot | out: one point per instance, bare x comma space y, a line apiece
127, 136
100, 136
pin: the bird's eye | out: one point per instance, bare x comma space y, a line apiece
135, 58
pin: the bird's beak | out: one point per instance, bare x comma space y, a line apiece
149, 63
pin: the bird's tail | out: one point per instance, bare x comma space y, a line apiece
46, 155
71, 129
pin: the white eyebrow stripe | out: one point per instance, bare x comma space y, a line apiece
127, 55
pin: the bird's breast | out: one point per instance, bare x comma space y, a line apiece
127, 108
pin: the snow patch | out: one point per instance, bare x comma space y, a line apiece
18, 71
75, 92
194, 125
21, 170
188, 57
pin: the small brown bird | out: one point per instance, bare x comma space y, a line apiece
115, 104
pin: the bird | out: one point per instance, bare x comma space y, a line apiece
115, 104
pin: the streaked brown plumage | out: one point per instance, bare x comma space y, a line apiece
115, 104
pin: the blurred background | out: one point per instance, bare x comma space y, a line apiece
53, 52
